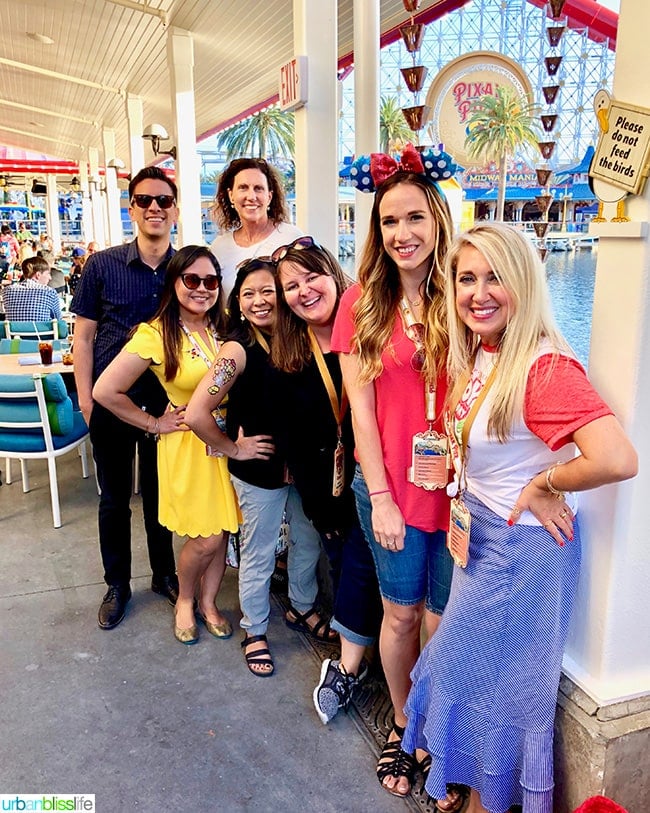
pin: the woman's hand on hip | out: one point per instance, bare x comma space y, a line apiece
254, 447
549, 509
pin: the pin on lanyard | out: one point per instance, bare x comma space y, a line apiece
196, 346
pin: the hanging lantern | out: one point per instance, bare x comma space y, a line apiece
550, 93
414, 77
548, 122
541, 227
556, 8
552, 64
554, 34
542, 176
544, 202
412, 36
415, 116
542, 251
411, 5
546, 148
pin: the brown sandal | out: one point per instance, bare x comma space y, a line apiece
457, 795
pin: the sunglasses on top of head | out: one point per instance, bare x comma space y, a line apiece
192, 281
299, 244
145, 201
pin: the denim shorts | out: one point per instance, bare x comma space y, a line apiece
420, 572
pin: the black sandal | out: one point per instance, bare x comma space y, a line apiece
253, 659
459, 794
394, 761
320, 631
424, 766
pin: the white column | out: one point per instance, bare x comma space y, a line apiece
366, 102
608, 653
180, 55
136, 128
52, 212
114, 217
86, 206
315, 35
96, 198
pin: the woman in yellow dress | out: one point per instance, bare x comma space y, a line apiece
197, 500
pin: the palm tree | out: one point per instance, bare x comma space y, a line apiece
497, 127
269, 133
394, 132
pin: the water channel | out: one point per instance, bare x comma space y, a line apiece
571, 276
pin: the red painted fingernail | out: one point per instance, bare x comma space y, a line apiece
562, 543
510, 522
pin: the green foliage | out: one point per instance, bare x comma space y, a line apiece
268, 134
498, 127
394, 132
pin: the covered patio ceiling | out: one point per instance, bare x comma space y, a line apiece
57, 95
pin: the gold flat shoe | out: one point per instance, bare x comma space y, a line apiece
189, 636
222, 631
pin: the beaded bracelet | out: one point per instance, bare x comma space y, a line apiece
549, 485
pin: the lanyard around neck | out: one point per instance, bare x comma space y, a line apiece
473, 410
261, 340
409, 320
338, 408
196, 346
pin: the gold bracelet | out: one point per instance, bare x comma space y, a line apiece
549, 485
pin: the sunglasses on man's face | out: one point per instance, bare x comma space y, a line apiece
299, 244
192, 281
145, 201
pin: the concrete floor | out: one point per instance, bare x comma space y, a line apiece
131, 715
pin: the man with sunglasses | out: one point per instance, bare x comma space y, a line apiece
121, 287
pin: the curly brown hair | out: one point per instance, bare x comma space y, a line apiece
225, 213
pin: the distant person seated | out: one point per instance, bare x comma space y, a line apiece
58, 279
78, 255
23, 233
93, 247
31, 300
9, 249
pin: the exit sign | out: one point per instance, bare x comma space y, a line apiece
293, 83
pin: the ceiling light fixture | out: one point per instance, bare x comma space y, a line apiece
157, 133
40, 38
75, 186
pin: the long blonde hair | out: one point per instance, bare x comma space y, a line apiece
514, 261
381, 290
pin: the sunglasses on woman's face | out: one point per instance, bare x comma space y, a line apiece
299, 244
192, 281
145, 201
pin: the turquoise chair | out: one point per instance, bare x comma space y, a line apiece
37, 422
50, 329
24, 346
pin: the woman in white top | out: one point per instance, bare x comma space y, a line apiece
251, 212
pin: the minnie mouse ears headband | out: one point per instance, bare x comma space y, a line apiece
368, 172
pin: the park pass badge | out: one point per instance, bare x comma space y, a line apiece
458, 535
339, 470
428, 468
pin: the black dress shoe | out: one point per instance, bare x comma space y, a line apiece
113, 606
166, 586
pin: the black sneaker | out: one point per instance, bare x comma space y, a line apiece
334, 689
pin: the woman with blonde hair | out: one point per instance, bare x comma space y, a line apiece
390, 331
527, 430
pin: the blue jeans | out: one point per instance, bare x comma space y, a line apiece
262, 510
420, 572
357, 605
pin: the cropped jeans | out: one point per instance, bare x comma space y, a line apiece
262, 510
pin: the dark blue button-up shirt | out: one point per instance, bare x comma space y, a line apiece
118, 291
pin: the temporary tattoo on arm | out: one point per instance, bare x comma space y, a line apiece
224, 371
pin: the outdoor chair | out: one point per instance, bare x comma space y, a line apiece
50, 329
37, 422
24, 346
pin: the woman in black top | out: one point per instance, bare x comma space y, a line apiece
319, 447
243, 372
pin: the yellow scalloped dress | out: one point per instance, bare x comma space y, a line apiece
196, 497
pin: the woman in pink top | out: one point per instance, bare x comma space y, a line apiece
390, 333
